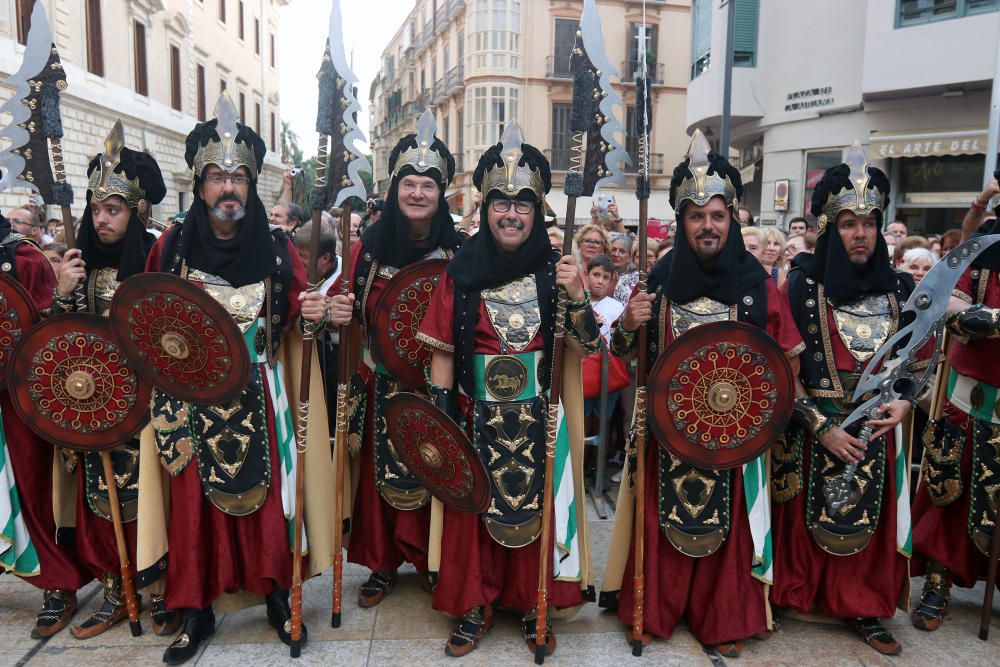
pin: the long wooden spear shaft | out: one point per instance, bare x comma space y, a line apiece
308, 335
639, 529
580, 117
340, 442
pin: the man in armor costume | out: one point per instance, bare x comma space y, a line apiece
111, 246
849, 562
391, 513
50, 562
954, 514
491, 326
719, 583
230, 468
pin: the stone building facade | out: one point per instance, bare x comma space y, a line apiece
159, 66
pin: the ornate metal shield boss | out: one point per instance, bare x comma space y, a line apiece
74, 385
179, 338
720, 394
17, 315
398, 314
438, 453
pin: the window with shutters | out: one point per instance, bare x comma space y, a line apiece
139, 56
257, 115
200, 91
917, 12
745, 33
563, 40
240, 30
641, 33
175, 77
274, 133
23, 8
222, 11
273, 56
256, 36
243, 108
95, 43
701, 36
560, 138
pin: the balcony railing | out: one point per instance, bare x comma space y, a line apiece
559, 158
438, 92
453, 7
427, 34
459, 162
454, 79
655, 163
631, 67
558, 67
423, 100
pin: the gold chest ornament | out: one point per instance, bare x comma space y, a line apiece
864, 324
514, 313
243, 303
103, 287
684, 316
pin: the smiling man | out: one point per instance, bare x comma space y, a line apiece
718, 583
495, 309
391, 512
112, 245
849, 564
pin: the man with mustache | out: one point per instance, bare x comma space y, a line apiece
491, 327
851, 563
954, 515
112, 245
391, 513
718, 580
231, 467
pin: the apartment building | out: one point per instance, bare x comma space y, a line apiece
479, 64
910, 79
159, 66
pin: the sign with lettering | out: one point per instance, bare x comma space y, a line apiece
810, 98
968, 142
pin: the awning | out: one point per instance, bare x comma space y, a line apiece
929, 143
628, 206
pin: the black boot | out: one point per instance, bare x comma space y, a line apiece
279, 615
199, 624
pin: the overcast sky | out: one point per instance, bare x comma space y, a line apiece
368, 27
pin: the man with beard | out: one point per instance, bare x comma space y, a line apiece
49, 562
226, 529
495, 309
112, 245
719, 582
391, 515
954, 515
849, 563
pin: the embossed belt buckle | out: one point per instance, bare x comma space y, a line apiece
506, 377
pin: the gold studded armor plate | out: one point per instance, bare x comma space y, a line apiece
514, 313
864, 324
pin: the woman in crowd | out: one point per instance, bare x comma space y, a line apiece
626, 271
592, 241
917, 262
772, 254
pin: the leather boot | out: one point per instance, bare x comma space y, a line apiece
279, 615
934, 600
165, 622
111, 611
199, 624
58, 607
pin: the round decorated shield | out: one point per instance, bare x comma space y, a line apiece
720, 394
398, 313
73, 385
179, 338
17, 315
432, 446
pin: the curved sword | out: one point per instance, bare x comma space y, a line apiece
349, 183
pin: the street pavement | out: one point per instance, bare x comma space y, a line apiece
404, 630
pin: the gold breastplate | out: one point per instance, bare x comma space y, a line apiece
103, 286
864, 325
514, 313
387, 272
243, 303
684, 316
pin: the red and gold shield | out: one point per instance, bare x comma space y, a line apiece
432, 446
74, 387
17, 315
398, 314
179, 338
720, 395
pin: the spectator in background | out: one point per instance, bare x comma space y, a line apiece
665, 247
905, 244
794, 246
746, 217
55, 252
287, 215
772, 254
556, 237
592, 241
652, 249
979, 210
917, 262
620, 245
611, 220
898, 227
890, 242
810, 238
26, 222
949, 240
753, 239
607, 310
52, 226
797, 226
